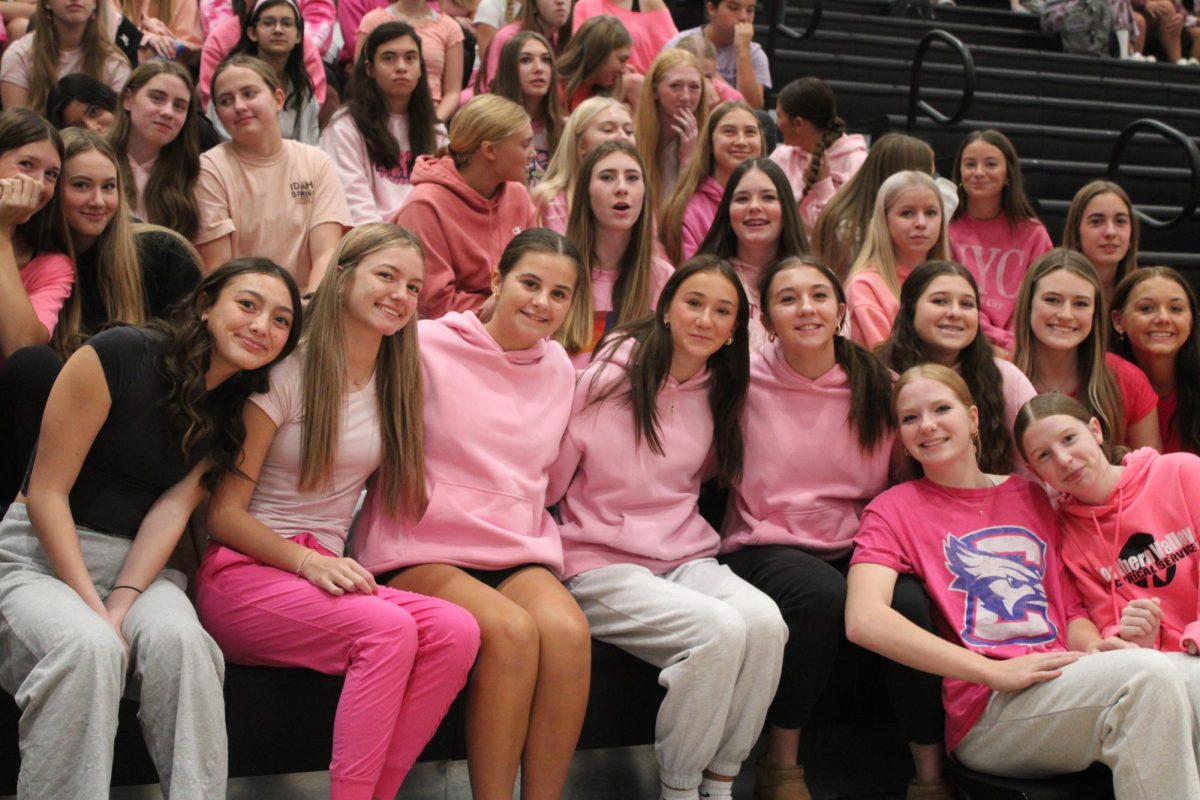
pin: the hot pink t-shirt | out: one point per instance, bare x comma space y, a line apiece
988, 560
269, 204
326, 512
47, 279
438, 32
1137, 395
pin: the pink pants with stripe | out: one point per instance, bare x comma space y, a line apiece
405, 657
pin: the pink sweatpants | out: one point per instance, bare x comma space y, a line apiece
405, 657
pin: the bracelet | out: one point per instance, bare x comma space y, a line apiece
124, 586
304, 561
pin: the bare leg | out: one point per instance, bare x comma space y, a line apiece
927, 761
783, 748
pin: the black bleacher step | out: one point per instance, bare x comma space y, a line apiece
916, 28
1060, 179
1005, 18
868, 68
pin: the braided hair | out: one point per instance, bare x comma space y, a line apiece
812, 100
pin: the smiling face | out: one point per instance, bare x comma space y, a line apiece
984, 171
677, 90
1156, 317
616, 191
249, 323
396, 67
755, 212
1063, 310
158, 110
803, 310
701, 317
246, 106
532, 300
381, 295
935, 426
946, 318
1104, 232
36, 160
735, 139
535, 65
914, 222
611, 124
89, 195
1067, 454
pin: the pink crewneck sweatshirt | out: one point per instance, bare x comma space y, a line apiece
787, 496
1140, 543
622, 503
699, 215
463, 232
493, 423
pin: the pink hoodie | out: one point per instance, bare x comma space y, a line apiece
1141, 542
699, 215
463, 232
787, 496
493, 423
624, 504
845, 156
872, 306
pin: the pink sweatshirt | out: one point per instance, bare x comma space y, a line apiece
622, 503
464, 233
998, 256
872, 306
224, 36
1140, 543
699, 215
844, 157
787, 496
650, 30
493, 423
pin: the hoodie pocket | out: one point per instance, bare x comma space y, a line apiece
451, 502
831, 524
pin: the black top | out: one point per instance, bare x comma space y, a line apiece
136, 455
168, 274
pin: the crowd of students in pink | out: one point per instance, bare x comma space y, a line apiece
441, 362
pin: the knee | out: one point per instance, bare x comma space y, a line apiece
726, 629
509, 635
174, 642
563, 632
456, 631
93, 652
765, 626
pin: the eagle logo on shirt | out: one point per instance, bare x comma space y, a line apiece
1001, 570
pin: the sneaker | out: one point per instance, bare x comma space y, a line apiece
1136, 57
937, 790
780, 784
1183, 62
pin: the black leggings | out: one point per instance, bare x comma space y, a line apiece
25, 382
811, 595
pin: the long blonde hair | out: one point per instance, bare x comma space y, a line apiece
566, 161
631, 296
878, 251
118, 270
398, 382
645, 121
702, 166
97, 48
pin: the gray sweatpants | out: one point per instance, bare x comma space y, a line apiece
718, 642
67, 670
1133, 710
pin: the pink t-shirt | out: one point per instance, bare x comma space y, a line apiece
373, 193
998, 256
438, 32
269, 204
603, 282
989, 562
1172, 443
141, 176
554, 214
650, 30
16, 65
786, 495
326, 512
47, 279
1137, 395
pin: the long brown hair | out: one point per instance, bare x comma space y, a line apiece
508, 83
1013, 200
97, 48
398, 381
1088, 193
170, 196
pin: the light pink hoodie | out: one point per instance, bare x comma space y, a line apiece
789, 493
699, 215
493, 423
624, 504
463, 232
1140, 543
845, 156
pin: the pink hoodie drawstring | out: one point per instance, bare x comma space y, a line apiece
1115, 553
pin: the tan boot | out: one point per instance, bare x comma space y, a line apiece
780, 784
936, 790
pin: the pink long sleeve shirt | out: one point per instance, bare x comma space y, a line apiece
621, 502
787, 496
493, 423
